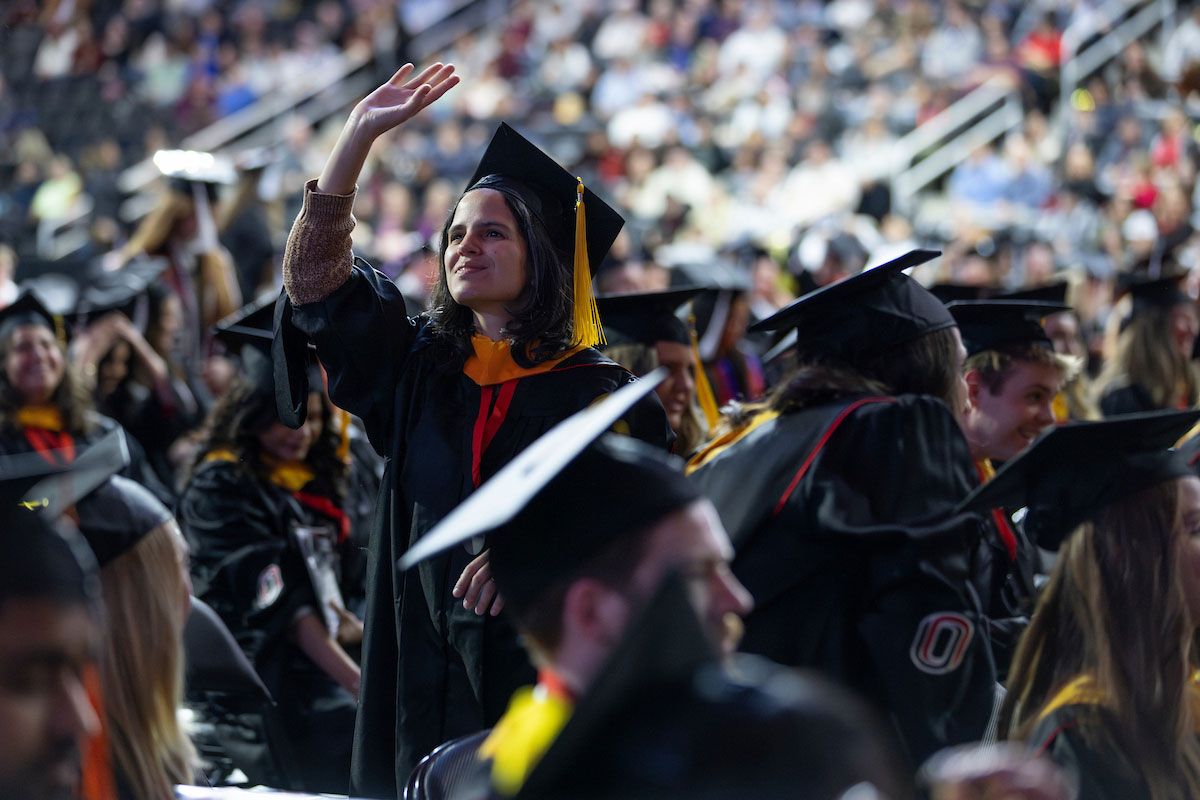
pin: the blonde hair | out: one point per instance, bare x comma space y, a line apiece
141, 671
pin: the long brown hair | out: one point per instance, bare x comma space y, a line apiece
141, 669
1145, 357
1115, 610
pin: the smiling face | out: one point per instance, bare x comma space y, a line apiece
285, 444
677, 391
1001, 423
34, 364
485, 258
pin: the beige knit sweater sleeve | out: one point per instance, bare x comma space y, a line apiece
318, 256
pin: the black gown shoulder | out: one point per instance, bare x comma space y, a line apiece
843, 521
1079, 737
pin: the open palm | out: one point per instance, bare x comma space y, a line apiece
401, 98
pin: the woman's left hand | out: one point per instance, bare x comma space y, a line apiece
477, 588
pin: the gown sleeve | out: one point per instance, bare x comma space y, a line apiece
1073, 737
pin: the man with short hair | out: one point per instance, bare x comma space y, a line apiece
1013, 375
49, 638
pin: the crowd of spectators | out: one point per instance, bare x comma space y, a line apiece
714, 123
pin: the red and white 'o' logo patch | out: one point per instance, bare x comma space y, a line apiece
270, 586
941, 642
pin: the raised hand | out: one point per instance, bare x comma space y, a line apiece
380, 111
401, 97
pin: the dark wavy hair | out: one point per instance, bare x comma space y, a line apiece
71, 398
541, 328
245, 411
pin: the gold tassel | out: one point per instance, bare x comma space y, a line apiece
587, 329
343, 449
704, 392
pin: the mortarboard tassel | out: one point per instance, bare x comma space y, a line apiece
704, 392
343, 449
587, 329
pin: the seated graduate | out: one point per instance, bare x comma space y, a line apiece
839, 492
262, 513
44, 403
1104, 679
147, 592
571, 585
50, 633
449, 397
1152, 367
642, 331
1013, 376
625, 618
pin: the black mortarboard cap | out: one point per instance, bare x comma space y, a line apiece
123, 290
1049, 293
27, 309
117, 515
514, 165
248, 333
1072, 472
1154, 293
952, 292
645, 317
32, 480
564, 499
992, 324
865, 314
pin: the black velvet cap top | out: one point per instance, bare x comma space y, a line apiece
565, 498
515, 166
27, 309
1072, 472
248, 333
991, 324
645, 317
1049, 293
865, 314
1155, 293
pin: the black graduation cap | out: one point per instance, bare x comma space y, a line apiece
645, 317
1049, 293
117, 515
991, 324
1154, 293
248, 332
1072, 472
123, 290
31, 480
565, 498
28, 309
953, 292
514, 165
864, 314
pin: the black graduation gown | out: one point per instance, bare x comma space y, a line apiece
1131, 399
247, 565
1075, 736
432, 670
841, 519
